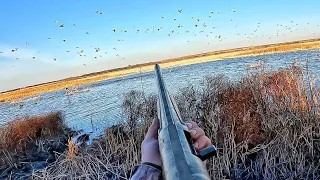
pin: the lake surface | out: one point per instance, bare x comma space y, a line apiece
102, 104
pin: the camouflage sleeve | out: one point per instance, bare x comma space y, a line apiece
146, 171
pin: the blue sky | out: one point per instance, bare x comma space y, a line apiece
33, 22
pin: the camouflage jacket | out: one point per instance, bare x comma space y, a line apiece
146, 171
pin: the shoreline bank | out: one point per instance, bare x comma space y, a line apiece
146, 67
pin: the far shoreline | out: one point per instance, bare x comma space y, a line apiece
146, 67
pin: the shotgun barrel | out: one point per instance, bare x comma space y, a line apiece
180, 159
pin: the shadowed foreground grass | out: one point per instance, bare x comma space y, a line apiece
265, 127
16, 133
31, 143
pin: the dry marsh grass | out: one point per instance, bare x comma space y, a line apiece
192, 59
265, 127
282, 48
16, 133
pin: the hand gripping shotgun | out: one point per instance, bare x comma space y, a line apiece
180, 159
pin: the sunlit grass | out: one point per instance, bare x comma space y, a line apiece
265, 127
17, 132
205, 57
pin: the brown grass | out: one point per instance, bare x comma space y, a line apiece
239, 110
265, 127
282, 48
192, 59
72, 149
17, 132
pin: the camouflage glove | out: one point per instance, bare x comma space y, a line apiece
146, 171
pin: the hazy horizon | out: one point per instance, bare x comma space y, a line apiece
43, 56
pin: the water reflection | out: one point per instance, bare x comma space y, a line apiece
101, 106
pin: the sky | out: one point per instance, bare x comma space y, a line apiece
42, 41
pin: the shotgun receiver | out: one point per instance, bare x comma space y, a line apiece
180, 159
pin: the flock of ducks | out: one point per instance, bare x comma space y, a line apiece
201, 26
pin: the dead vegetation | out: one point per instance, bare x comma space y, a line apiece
265, 127
191, 59
31, 143
282, 48
114, 154
16, 133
